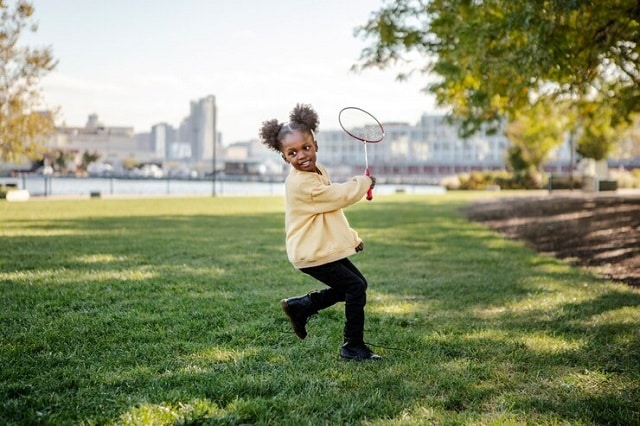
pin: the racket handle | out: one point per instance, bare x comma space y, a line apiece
370, 191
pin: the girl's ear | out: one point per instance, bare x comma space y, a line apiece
315, 144
284, 158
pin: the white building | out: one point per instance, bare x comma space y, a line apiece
113, 144
429, 149
253, 158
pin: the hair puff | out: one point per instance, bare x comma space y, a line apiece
306, 115
303, 118
269, 134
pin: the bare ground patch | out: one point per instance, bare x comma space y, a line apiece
597, 231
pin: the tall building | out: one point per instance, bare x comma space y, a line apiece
163, 136
200, 128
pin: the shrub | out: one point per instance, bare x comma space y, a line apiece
626, 178
476, 180
6, 187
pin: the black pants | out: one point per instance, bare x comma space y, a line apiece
346, 284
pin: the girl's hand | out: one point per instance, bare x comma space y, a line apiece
373, 181
360, 247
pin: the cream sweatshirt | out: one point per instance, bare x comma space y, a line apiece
317, 231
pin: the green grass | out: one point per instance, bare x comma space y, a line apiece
165, 311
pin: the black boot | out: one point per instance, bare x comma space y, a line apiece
299, 309
357, 351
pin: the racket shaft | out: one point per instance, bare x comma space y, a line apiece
366, 171
366, 157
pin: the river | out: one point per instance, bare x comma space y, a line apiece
41, 186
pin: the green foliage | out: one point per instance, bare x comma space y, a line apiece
473, 180
626, 178
598, 137
88, 158
477, 180
555, 182
517, 159
165, 311
4, 188
496, 58
60, 160
533, 132
530, 178
22, 129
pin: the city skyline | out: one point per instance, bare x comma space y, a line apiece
139, 63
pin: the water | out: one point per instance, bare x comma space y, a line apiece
70, 186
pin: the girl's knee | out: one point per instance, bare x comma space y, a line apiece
358, 287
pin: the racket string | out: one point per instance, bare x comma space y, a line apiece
360, 124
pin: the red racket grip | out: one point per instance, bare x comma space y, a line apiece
370, 191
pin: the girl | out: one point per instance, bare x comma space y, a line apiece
318, 236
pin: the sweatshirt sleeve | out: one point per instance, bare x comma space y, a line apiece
315, 195
339, 195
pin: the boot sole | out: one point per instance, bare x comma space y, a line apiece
285, 308
356, 359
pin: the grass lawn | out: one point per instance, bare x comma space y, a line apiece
165, 311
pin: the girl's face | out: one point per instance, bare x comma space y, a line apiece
299, 149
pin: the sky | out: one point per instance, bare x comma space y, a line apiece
141, 62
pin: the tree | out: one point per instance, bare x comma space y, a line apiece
22, 127
533, 133
597, 137
88, 158
496, 57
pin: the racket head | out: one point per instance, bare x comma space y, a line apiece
361, 125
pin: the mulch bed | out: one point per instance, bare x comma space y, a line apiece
599, 231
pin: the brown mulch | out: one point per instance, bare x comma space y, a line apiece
598, 231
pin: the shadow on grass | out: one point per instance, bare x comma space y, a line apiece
175, 318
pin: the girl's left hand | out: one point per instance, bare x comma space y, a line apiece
360, 247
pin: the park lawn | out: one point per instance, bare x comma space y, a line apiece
165, 311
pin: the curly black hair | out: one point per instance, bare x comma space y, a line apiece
302, 118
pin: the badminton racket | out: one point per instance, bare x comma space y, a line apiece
364, 127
